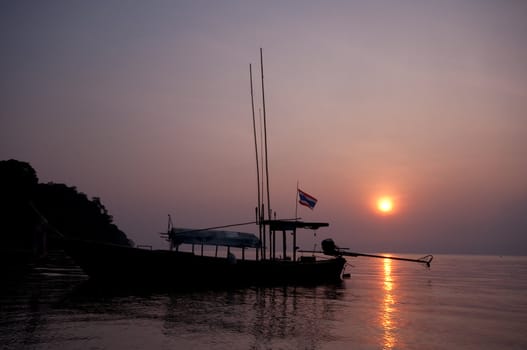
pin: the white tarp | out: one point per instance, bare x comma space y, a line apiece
214, 237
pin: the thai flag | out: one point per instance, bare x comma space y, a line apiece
306, 199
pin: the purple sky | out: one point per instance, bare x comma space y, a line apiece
146, 104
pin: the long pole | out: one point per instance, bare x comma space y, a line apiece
265, 138
424, 260
262, 176
427, 259
254, 132
257, 162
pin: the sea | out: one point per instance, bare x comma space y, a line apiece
461, 302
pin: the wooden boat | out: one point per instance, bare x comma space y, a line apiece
146, 268
117, 264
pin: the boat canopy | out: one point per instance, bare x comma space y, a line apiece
214, 237
290, 225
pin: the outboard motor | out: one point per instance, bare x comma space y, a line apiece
329, 247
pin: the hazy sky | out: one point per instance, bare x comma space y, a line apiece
146, 104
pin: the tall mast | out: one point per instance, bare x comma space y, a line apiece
265, 138
255, 139
262, 175
256, 153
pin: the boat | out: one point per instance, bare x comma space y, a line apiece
197, 266
118, 265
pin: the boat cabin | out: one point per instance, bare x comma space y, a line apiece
243, 240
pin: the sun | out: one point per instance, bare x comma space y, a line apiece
385, 205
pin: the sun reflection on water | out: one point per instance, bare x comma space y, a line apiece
388, 324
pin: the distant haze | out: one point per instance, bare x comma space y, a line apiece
146, 104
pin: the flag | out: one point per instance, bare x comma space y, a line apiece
306, 199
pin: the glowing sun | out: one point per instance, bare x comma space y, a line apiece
385, 205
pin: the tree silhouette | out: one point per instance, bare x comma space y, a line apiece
74, 215
23, 200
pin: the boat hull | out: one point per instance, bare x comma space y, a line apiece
120, 264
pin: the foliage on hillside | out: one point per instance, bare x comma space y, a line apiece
66, 209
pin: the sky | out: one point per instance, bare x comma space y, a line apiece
146, 104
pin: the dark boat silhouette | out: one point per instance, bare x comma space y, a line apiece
116, 264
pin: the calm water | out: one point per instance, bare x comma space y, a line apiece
462, 302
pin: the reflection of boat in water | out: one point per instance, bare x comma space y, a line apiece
255, 318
